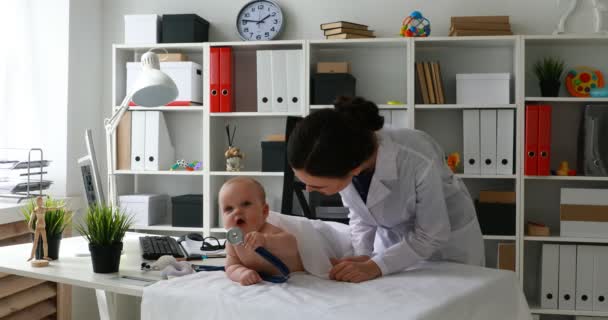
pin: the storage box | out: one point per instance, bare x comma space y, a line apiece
333, 67
326, 87
147, 209
483, 88
496, 218
172, 57
142, 28
584, 212
273, 156
187, 76
187, 210
180, 28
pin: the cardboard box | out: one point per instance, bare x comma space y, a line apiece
506, 256
172, 57
142, 28
584, 212
333, 67
483, 88
488, 196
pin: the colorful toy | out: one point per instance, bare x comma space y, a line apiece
415, 25
580, 81
564, 170
192, 166
453, 161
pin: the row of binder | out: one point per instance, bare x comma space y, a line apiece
151, 147
538, 140
396, 119
488, 137
220, 79
279, 80
574, 277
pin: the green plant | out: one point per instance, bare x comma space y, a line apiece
103, 225
55, 220
549, 69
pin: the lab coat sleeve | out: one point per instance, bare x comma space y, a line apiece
362, 235
431, 226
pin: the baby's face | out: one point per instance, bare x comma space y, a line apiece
243, 207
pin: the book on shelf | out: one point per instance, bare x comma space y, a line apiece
456, 33
480, 26
343, 24
331, 32
480, 19
347, 36
430, 83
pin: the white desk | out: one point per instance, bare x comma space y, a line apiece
78, 270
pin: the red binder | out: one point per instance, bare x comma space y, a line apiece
544, 140
214, 80
226, 79
531, 141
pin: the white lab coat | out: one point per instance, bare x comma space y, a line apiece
416, 208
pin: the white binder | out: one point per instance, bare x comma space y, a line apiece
386, 114
600, 279
505, 122
567, 277
264, 79
138, 141
278, 61
487, 123
584, 277
549, 276
294, 80
159, 152
470, 130
400, 119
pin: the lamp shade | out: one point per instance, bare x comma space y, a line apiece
153, 87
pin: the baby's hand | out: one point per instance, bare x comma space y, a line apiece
249, 277
254, 239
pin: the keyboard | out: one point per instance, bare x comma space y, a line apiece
154, 247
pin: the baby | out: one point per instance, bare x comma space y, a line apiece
243, 204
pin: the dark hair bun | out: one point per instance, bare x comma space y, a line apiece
364, 113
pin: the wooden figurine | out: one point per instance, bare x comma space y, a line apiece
233, 155
40, 211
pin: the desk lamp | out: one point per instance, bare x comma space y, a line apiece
152, 88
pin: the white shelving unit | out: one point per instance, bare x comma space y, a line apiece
384, 69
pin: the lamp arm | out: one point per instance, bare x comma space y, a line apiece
110, 125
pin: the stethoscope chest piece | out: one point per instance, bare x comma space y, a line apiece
235, 236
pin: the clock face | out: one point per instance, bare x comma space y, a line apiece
260, 20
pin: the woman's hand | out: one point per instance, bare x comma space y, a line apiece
354, 269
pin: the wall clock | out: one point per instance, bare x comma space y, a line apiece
260, 20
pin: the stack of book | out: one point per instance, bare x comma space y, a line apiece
346, 30
480, 26
429, 81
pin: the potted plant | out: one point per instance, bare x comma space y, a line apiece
104, 227
56, 220
549, 72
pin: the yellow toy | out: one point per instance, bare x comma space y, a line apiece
453, 161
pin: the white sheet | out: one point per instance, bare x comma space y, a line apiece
437, 290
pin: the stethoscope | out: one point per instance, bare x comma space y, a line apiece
235, 237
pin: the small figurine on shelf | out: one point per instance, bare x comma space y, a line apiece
453, 161
40, 212
179, 164
182, 164
233, 155
564, 170
415, 25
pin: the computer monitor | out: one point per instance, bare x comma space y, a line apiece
90, 173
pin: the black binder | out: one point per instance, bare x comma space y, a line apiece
593, 141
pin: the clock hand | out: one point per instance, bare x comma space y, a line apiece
250, 21
266, 17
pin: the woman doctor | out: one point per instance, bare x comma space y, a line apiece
405, 204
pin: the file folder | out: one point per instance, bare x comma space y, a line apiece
214, 79
400, 119
159, 152
470, 129
531, 141
567, 277
264, 79
294, 78
584, 277
487, 123
544, 140
226, 79
549, 276
505, 123
278, 61
138, 132
600, 279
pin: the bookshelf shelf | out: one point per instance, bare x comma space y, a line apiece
480, 176
462, 106
246, 173
566, 239
253, 114
169, 109
505, 238
160, 173
536, 310
380, 106
566, 178
565, 99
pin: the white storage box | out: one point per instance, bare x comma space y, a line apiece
147, 209
482, 88
584, 213
187, 76
142, 28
